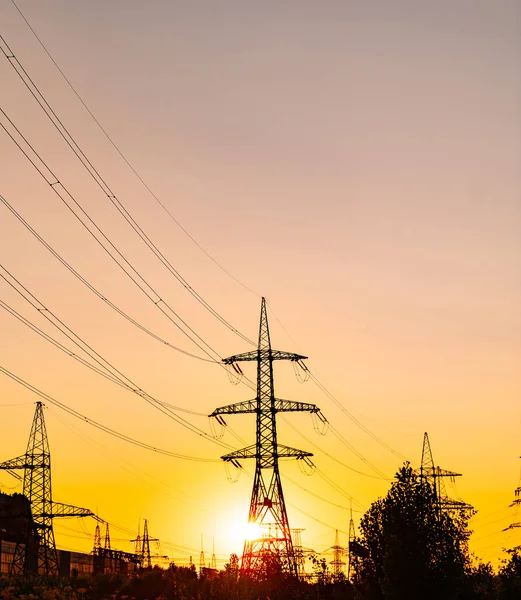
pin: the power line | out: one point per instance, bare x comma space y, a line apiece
334, 457
98, 425
103, 185
98, 358
125, 159
324, 390
99, 236
78, 358
93, 289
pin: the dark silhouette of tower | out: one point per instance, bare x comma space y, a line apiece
97, 539
298, 550
214, 559
435, 476
42, 558
201, 557
337, 562
515, 505
107, 538
352, 537
267, 506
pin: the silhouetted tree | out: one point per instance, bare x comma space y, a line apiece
413, 550
510, 577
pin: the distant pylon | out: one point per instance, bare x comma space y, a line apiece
352, 536
107, 537
516, 503
298, 550
201, 557
214, 559
267, 499
97, 539
33, 558
337, 562
435, 476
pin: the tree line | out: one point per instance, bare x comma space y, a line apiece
409, 548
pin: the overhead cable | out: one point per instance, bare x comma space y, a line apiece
101, 238
125, 159
103, 185
98, 425
103, 363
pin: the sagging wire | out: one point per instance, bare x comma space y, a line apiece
217, 426
320, 423
234, 475
301, 371
235, 373
306, 465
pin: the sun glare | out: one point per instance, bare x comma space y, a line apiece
252, 531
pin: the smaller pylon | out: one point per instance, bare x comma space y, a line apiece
107, 538
516, 503
337, 562
352, 536
214, 559
147, 560
435, 477
298, 550
201, 557
97, 539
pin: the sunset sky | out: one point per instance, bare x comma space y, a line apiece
356, 162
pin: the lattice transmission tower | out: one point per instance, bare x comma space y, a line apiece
435, 476
267, 506
41, 557
338, 563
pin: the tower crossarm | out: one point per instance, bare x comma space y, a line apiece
251, 452
291, 406
252, 406
254, 355
247, 406
20, 462
449, 504
67, 510
437, 472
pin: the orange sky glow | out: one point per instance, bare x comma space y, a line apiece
358, 164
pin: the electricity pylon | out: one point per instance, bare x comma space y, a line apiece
201, 558
515, 505
214, 558
298, 550
267, 499
337, 562
435, 476
142, 546
97, 539
107, 538
352, 536
30, 558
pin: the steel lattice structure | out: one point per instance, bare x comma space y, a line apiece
41, 557
435, 476
267, 506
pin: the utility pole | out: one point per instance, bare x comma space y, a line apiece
435, 477
41, 557
267, 505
